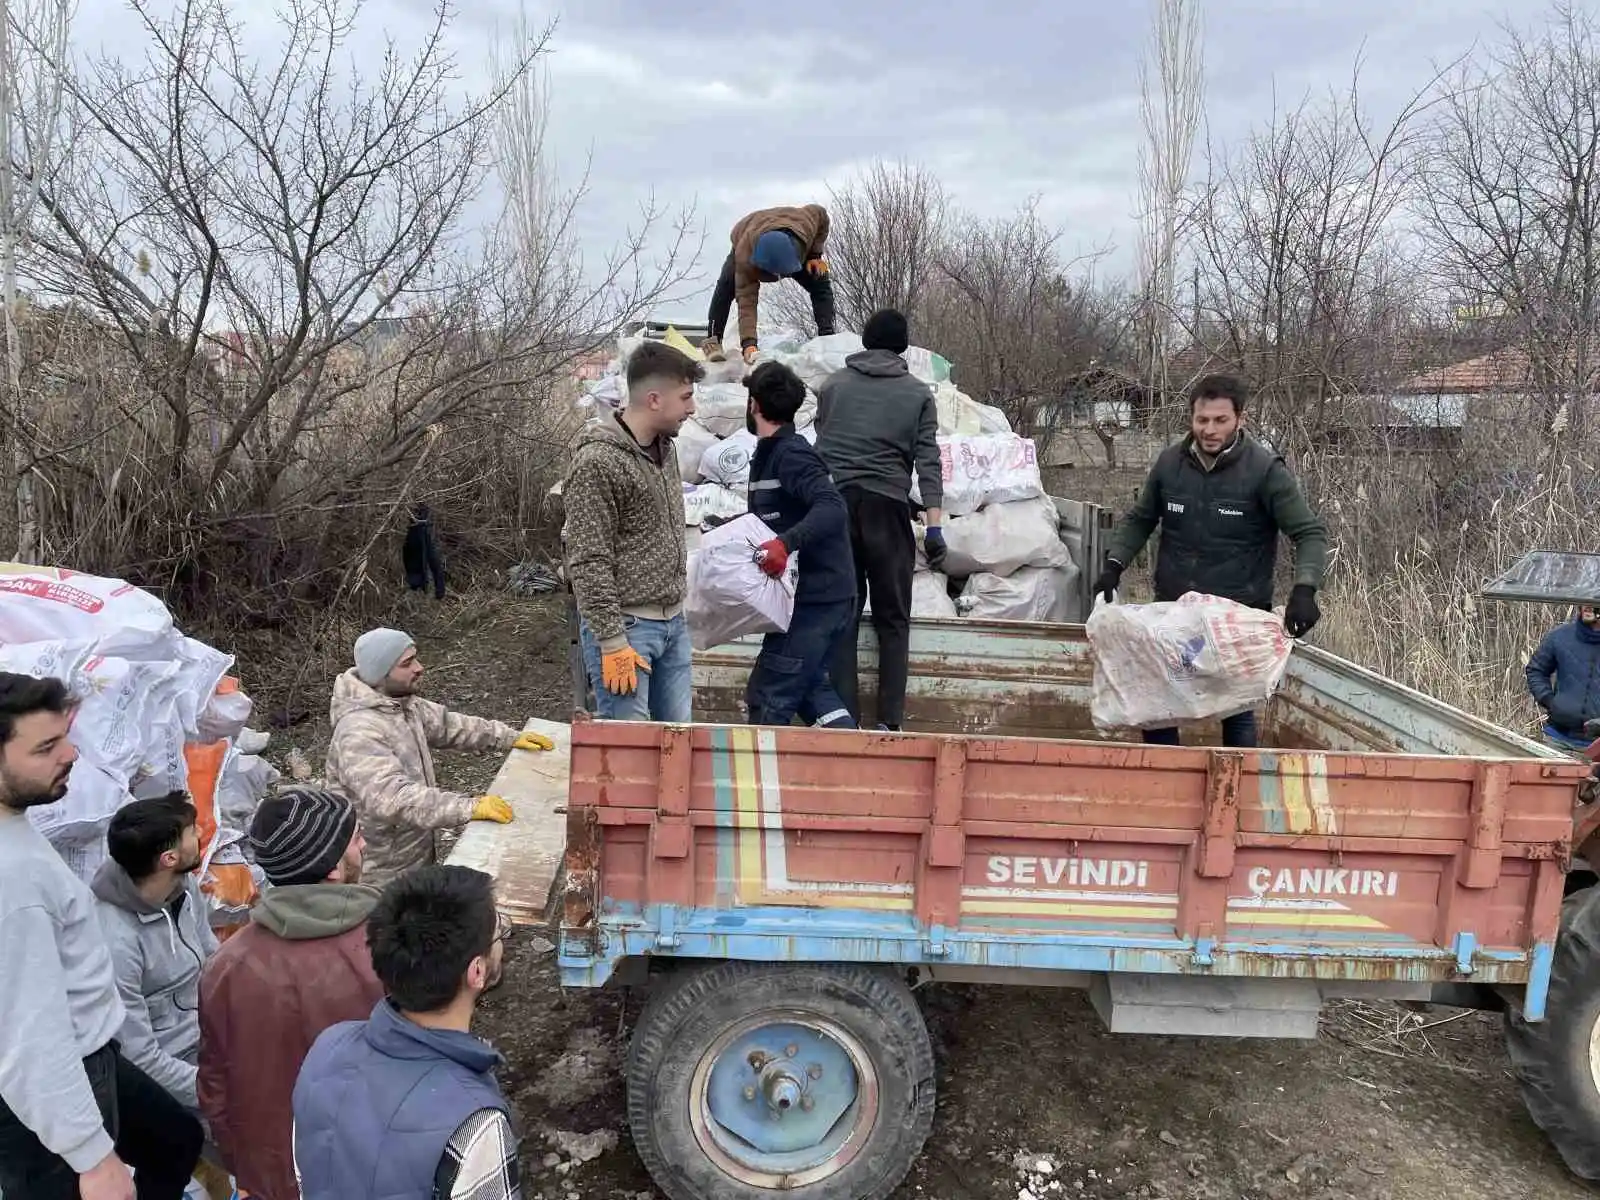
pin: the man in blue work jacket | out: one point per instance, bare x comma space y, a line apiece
791, 491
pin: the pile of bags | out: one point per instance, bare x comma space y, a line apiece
157, 713
1193, 659
1007, 560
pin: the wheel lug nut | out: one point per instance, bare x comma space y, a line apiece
807, 1103
791, 1051
749, 1093
814, 1071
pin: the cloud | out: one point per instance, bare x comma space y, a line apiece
729, 106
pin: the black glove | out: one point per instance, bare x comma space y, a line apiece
1301, 613
934, 547
1106, 585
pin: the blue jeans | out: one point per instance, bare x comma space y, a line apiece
1238, 732
667, 692
790, 677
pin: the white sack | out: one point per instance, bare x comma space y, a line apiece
987, 469
728, 461
224, 717
692, 442
1029, 594
780, 340
729, 595
962, 416
805, 417
42, 604
930, 595
1194, 659
927, 366
241, 784
711, 500
821, 357
1002, 538
608, 395
721, 407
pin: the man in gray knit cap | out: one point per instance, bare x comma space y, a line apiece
380, 756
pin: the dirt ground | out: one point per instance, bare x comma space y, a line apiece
1036, 1100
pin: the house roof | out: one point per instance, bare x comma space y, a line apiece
1503, 370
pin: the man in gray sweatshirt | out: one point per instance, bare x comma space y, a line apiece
876, 424
75, 1115
156, 925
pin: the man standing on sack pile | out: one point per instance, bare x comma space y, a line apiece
791, 492
1221, 499
624, 539
876, 424
773, 244
299, 966
381, 756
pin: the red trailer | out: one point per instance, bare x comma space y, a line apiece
784, 890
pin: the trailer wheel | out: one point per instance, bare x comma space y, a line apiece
1557, 1060
816, 1081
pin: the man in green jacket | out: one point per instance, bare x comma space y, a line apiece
1221, 499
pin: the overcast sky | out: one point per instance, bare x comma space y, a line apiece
730, 105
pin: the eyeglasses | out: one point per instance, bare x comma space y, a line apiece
502, 927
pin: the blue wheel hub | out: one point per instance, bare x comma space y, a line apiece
782, 1102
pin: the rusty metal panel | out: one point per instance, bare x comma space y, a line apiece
1284, 865
1027, 679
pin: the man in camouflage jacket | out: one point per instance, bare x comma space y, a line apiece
381, 756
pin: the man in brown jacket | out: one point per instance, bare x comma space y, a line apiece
381, 758
624, 536
773, 244
301, 965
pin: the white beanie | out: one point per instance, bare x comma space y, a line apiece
377, 652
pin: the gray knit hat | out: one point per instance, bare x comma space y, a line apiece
377, 652
299, 835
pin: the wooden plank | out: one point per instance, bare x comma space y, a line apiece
525, 856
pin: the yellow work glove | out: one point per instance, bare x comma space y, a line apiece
818, 266
532, 741
492, 808
750, 353
619, 671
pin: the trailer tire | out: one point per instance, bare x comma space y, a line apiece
717, 1060
1557, 1060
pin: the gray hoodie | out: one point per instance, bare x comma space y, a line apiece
157, 952
876, 422
58, 996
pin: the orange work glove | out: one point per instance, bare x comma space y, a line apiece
619, 671
772, 557
750, 353
818, 266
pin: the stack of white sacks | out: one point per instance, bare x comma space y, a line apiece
143, 691
1006, 561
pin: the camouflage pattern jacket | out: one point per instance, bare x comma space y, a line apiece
381, 759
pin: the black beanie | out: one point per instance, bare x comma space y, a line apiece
299, 835
887, 330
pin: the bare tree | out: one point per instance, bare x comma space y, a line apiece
33, 62
282, 249
1298, 240
1016, 318
1171, 101
1513, 207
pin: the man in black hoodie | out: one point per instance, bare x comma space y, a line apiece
876, 423
791, 492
